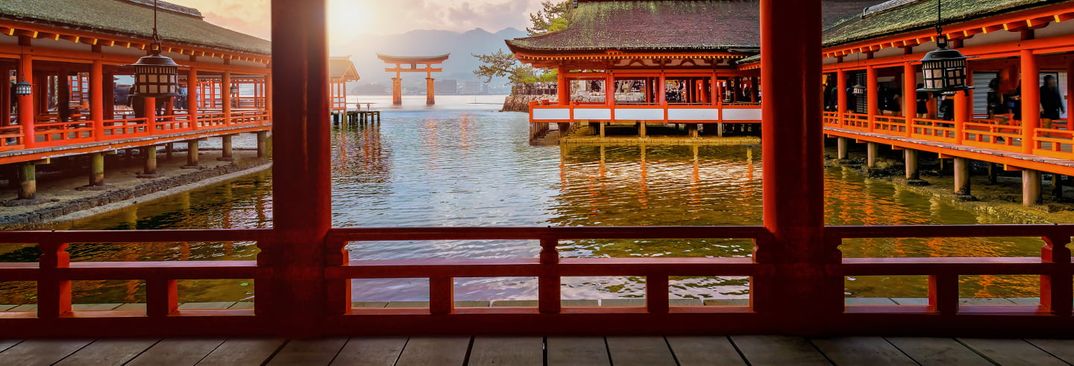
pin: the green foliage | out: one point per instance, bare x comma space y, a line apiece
554, 16
502, 64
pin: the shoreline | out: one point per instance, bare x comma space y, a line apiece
998, 203
120, 205
63, 205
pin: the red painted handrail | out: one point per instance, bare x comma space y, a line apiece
55, 317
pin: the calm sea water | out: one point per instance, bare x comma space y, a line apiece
462, 163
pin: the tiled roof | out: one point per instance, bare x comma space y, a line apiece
897, 16
132, 18
666, 25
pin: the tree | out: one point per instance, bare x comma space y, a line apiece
554, 16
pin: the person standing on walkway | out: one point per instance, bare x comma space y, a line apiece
1051, 102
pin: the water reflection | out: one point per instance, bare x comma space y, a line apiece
469, 166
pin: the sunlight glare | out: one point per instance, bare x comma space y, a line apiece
347, 18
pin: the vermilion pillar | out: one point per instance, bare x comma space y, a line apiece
268, 94
193, 93
150, 114
841, 98
397, 90
961, 104
563, 87
26, 102
225, 92
799, 292
296, 297
5, 98
97, 98
909, 96
872, 95
430, 90
1030, 99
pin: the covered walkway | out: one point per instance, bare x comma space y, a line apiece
552, 351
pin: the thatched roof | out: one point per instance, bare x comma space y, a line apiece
666, 25
898, 16
132, 18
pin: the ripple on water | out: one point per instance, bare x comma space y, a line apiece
466, 165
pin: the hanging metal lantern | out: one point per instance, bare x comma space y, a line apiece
944, 69
858, 89
235, 90
156, 75
23, 88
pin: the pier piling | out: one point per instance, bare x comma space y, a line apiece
262, 144
1031, 188
96, 174
871, 150
150, 169
191, 154
225, 148
841, 148
27, 181
962, 178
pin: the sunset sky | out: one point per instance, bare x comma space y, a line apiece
353, 17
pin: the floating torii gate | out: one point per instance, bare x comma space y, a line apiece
428, 63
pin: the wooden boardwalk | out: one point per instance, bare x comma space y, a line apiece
618, 351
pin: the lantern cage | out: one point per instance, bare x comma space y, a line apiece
859, 87
156, 76
23, 88
944, 70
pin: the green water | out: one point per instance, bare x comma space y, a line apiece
463, 164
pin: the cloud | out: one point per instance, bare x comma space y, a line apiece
387, 16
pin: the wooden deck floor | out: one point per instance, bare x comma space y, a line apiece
618, 351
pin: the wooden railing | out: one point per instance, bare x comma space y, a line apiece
1054, 143
856, 121
771, 311
991, 135
48, 132
549, 112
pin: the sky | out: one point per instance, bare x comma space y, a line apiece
351, 18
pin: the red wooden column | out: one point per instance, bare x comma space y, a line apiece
268, 94
798, 292
1030, 99
841, 97
53, 291
193, 94
963, 105
5, 98
909, 96
225, 93
150, 115
295, 299
872, 96
97, 98
26, 102
563, 87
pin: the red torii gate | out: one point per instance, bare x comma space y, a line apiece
413, 61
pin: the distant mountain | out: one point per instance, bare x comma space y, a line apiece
426, 42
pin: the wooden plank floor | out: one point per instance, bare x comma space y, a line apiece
553, 351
